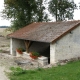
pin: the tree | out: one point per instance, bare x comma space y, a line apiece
62, 9
20, 12
41, 15
23, 12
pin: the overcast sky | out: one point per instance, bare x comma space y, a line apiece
77, 12
4, 22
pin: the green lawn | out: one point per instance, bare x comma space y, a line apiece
70, 71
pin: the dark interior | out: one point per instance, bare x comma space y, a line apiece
42, 48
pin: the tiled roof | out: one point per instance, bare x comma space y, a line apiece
45, 31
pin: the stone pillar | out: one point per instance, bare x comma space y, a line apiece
11, 46
52, 53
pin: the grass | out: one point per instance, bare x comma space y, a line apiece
70, 71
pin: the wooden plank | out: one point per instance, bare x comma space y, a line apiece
27, 44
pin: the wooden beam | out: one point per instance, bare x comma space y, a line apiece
27, 44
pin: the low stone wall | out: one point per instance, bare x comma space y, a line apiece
41, 60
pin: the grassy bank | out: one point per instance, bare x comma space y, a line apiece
70, 71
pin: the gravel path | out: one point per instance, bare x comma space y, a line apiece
2, 73
4, 45
5, 63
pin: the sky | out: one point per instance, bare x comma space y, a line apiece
77, 12
4, 22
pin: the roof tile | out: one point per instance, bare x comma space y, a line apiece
45, 31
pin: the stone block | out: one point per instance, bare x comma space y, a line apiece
43, 60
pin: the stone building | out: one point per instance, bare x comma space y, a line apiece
56, 40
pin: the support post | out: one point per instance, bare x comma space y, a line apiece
27, 44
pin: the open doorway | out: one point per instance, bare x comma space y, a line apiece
42, 48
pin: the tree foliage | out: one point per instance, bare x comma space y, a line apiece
24, 12
41, 15
62, 9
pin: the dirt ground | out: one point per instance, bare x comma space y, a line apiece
4, 48
6, 60
2, 74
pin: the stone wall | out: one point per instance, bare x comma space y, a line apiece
67, 47
14, 44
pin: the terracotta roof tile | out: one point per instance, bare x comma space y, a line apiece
45, 31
